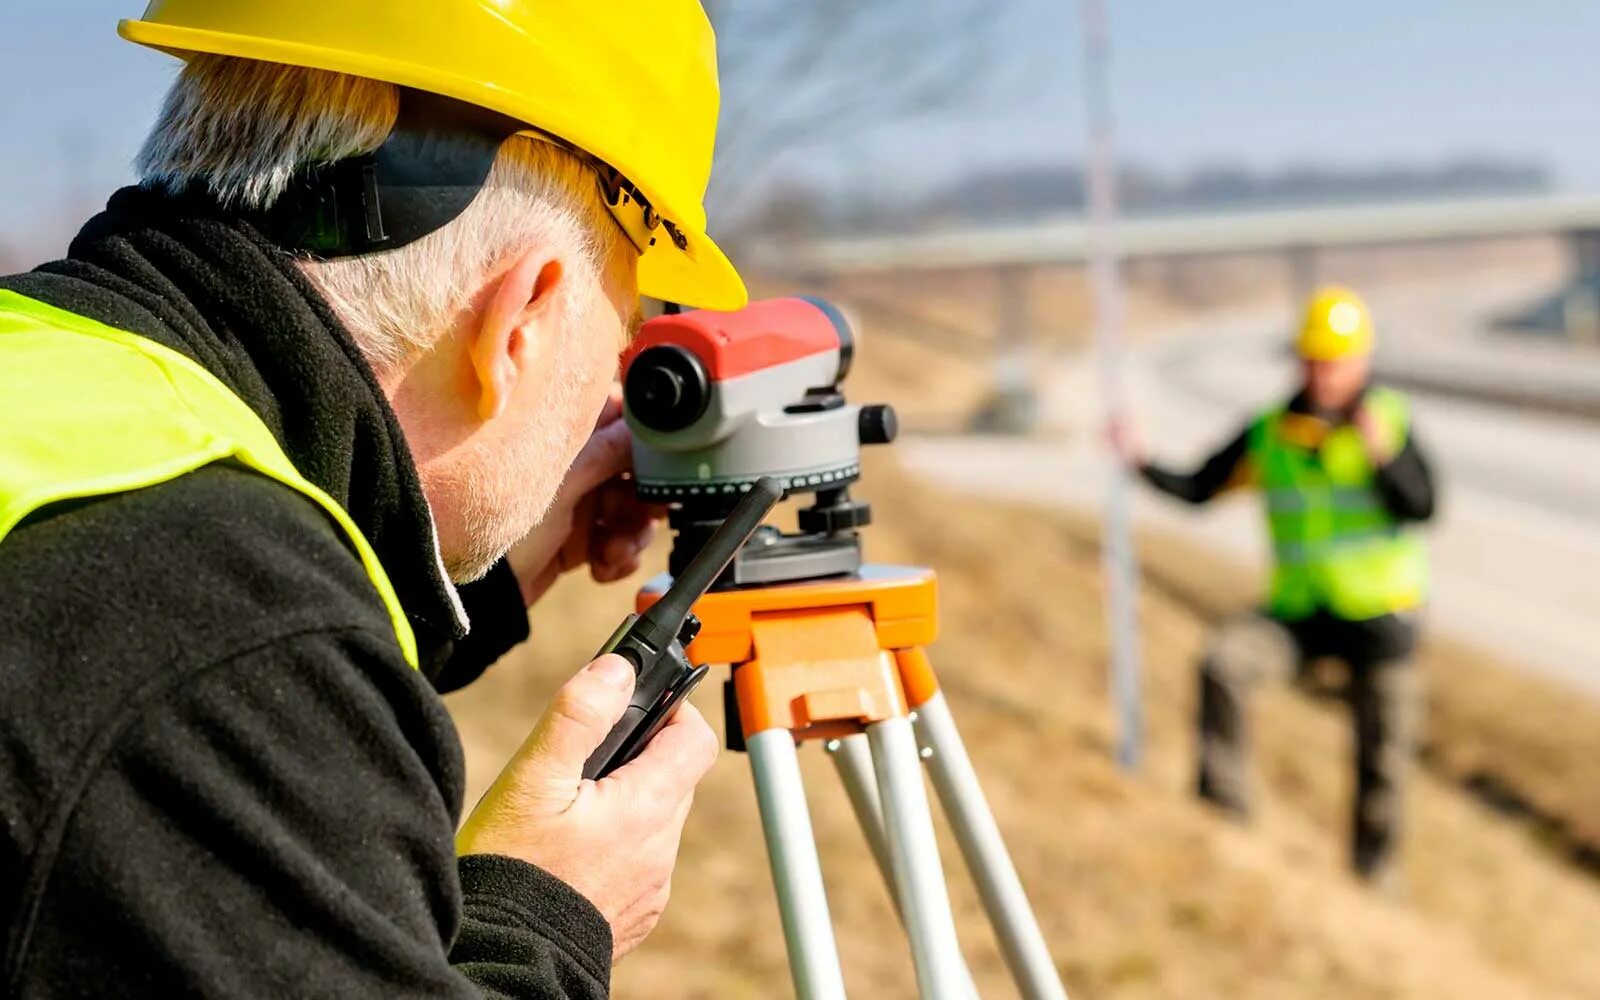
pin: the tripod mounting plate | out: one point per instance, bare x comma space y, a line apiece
902, 600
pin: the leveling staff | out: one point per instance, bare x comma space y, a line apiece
1343, 477
329, 362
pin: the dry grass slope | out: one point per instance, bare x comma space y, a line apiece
1142, 892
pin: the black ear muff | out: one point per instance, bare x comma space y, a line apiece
434, 162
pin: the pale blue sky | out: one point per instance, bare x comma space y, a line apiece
1262, 83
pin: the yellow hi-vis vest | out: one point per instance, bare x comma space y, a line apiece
1336, 547
88, 410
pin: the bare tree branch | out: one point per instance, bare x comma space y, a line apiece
798, 73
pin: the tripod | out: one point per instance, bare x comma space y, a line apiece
841, 661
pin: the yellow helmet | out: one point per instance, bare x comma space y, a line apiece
1337, 325
632, 84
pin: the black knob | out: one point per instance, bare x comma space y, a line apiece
666, 388
688, 630
878, 424
845, 516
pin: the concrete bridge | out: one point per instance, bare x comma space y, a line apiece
1299, 236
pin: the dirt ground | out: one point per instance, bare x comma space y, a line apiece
1141, 891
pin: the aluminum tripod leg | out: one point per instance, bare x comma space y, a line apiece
914, 857
852, 757
796, 871
968, 811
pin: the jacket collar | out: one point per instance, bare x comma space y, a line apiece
181, 272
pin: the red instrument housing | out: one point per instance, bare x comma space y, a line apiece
729, 344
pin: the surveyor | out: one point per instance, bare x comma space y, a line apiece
289, 441
1343, 479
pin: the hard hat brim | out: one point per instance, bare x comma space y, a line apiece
1332, 352
701, 275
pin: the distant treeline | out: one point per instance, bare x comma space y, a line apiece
1022, 193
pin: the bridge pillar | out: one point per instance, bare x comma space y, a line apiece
1580, 301
1302, 262
1013, 403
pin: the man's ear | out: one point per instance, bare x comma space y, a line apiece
514, 331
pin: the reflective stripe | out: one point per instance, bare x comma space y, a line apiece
1297, 500
1300, 551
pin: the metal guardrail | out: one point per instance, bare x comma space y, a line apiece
1067, 241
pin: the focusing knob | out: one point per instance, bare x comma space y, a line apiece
666, 388
844, 515
878, 424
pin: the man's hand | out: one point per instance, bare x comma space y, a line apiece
1381, 447
1123, 436
614, 840
596, 519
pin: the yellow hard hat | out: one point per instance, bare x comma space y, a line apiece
631, 83
1337, 325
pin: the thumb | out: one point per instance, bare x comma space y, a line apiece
578, 719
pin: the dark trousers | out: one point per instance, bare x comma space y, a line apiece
1383, 701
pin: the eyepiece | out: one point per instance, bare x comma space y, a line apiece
666, 388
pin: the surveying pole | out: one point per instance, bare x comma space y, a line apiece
1121, 572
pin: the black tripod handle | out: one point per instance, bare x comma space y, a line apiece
654, 642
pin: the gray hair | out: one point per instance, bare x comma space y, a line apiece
242, 128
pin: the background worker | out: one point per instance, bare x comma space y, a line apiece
1343, 477
292, 437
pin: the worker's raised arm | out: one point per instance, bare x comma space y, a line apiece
1406, 483
1401, 473
1224, 468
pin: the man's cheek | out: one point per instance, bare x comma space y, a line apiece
603, 375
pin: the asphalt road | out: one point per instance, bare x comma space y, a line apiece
1517, 545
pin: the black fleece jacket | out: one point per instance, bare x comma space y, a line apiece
218, 776
1405, 484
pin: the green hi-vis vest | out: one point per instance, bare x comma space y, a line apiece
1336, 547
87, 410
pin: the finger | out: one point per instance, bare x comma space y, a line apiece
635, 522
616, 502
618, 555
583, 711
617, 514
623, 501
613, 573
640, 539
607, 453
618, 549
673, 763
